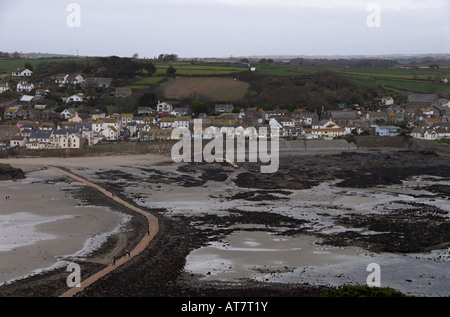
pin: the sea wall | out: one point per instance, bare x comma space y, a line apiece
285, 146
98, 149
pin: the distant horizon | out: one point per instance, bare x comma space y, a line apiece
278, 56
223, 28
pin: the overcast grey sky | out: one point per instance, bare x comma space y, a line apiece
221, 28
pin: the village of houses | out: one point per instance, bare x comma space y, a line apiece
28, 123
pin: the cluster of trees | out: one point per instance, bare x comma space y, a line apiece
357, 63
45, 69
113, 66
117, 67
325, 88
168, 57
15, 55
266, 61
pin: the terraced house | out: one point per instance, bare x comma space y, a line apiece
108, 129
325, 129
67, 139
40, 139
23, 86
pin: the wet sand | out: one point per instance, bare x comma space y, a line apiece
43, 226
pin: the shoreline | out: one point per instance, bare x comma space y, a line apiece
154, 184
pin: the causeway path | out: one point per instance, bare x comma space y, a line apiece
153, 227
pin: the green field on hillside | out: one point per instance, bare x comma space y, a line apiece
403, 85
203, 69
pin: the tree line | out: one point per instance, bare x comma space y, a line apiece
15, 55
113, 66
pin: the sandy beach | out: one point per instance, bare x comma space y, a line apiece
44, 226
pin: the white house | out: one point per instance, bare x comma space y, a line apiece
325, 129
281, 122
431, 133
75, 98
126, 118
75, 118
67, 113
181, 122
325, 124
22, 72
164, 107
61, 78
273, 123
75, 79
19, 141
167, 123
24, 86
387, 101
326, 133
179, 112
102, 128
307, 118
4, 87
443, 132
110, 133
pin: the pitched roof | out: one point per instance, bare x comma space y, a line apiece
168, 119
40, 134
84, 126
99, 80
66, 131
183, 119
111, 120
71, 111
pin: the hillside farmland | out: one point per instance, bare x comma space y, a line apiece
216, 89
